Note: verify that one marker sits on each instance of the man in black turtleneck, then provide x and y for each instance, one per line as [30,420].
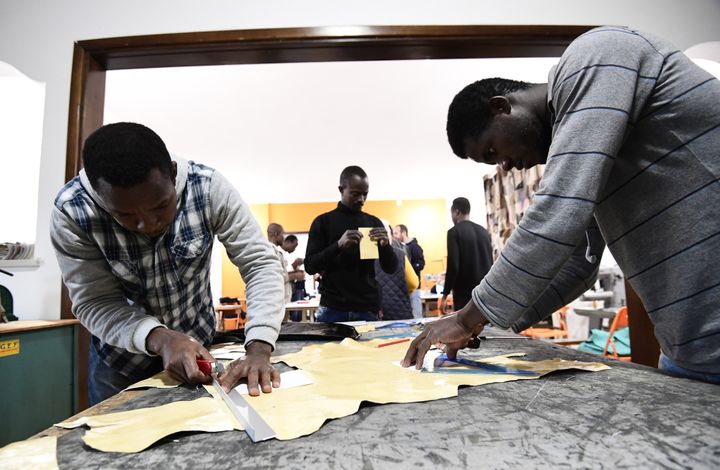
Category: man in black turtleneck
[348,288]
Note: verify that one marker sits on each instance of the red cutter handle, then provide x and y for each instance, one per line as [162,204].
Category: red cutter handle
[205,366]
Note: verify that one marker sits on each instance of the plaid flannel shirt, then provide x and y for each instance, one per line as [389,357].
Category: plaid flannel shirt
[168,278]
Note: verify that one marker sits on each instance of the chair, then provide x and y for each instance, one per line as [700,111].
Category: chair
[231,314]
[549,333]
[620,321]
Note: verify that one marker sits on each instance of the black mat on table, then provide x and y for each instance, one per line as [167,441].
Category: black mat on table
[297,331]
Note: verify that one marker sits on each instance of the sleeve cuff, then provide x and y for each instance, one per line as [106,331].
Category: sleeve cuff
[262,333]
[142,330]
[491,317]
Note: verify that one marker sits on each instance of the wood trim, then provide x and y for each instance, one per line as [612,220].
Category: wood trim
[21,326]
[92,58]
[644,346]
[324,44]
[87,99]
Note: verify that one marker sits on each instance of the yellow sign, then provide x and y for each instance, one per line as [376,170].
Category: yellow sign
[9,347]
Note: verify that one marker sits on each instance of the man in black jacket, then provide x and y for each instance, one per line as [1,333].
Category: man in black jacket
[469,259]
[348,289]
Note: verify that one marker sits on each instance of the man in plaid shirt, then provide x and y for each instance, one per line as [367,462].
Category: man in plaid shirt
[133,233]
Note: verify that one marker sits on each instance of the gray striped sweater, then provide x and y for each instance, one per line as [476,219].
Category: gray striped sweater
[636,144]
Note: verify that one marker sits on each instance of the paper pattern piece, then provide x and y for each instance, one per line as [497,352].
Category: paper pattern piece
[37,454]
[368,248]
[350,372]
[228,351]
[136,430]
[290,379]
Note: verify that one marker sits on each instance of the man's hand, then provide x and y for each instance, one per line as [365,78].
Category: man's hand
[179,353]
[379,235]
[297,263]
[453,332]
[349,239]
[256,367]
[443,306]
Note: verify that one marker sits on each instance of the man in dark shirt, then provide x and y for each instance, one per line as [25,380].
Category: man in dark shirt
[469,255]
[348,291]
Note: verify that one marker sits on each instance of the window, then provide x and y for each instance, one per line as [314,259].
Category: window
[21,123]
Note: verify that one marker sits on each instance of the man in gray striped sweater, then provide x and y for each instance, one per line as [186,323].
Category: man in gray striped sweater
[629,130]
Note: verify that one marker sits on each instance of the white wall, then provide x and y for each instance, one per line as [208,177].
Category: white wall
[37,36]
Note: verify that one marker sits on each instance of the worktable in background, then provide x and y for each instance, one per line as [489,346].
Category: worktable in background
[39,376]
[629,416]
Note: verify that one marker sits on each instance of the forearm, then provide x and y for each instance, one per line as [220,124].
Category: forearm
[296,275]
[576,276]
[250,251]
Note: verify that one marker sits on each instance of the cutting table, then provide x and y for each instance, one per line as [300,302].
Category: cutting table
[628,416]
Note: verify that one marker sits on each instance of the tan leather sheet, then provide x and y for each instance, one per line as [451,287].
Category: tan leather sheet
[136,430]
[348,373]
[344,375]
[36,454]
[160,380]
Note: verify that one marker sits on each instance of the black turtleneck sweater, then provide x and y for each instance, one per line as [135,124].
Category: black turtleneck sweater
[348,283]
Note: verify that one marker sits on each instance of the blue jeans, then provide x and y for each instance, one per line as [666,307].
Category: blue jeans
[669,366]
[298,293]
[104,381]
[331,315]
[416,304]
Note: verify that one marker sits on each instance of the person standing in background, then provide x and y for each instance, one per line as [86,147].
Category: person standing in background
[469,250]
[415,254]
[295,274]
[276,235]
[348,290]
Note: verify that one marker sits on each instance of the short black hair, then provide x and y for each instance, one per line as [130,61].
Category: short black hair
[461,205]
[291,239]
[123,154]
[469,112]
[349,172]
[402,228]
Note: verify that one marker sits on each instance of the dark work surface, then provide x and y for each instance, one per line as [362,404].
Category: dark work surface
[628,417]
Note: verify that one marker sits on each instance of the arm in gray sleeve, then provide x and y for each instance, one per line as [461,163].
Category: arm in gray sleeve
[592,107]
[96,295]
[576,276]
[250,251]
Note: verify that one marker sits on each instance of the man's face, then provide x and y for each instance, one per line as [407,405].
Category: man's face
[276,236]
[354,194]
[516,139]
[397,234]
[147,208]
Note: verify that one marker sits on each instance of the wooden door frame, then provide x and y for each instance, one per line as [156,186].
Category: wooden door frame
[93,58]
